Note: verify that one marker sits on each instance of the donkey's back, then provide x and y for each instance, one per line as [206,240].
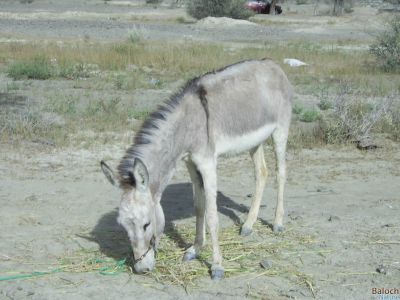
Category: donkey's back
[246,102]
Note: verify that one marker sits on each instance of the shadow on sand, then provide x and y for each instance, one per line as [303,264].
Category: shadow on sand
[177,202]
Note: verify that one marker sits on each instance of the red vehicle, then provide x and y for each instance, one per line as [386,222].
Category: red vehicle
[262,7]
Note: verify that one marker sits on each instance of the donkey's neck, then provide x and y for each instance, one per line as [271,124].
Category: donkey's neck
[160,157]
[167,139]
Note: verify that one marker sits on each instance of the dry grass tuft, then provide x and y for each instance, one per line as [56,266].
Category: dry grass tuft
[242,257]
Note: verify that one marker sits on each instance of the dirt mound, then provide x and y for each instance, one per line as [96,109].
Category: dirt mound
[223,21]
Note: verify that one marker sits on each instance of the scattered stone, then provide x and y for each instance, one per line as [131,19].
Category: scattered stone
[381,269]
[387,225]
[266,264]
[366,144]
[295,216]
[333,218]
[147,69]
[31,198]
[44,142]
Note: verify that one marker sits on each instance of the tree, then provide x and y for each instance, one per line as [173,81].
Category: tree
[272,7]
[338,7]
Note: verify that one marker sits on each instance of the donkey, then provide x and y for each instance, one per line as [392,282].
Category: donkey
[230,110]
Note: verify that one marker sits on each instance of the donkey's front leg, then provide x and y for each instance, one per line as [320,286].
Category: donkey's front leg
[208,170]
[261,174]
[199,204]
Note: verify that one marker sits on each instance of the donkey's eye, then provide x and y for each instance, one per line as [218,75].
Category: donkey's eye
[145,226]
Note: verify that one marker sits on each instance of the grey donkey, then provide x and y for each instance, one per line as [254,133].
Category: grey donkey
[230,110]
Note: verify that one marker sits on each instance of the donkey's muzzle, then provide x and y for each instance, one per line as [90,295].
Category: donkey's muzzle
[146,263]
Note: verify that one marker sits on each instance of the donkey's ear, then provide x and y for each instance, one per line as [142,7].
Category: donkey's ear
[140,174]
[108,172]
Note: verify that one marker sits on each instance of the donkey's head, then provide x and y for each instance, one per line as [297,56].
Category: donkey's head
[140,214]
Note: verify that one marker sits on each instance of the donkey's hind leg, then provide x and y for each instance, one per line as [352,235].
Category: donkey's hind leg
[199,204]
[207,166]
[261,174]
[280,136]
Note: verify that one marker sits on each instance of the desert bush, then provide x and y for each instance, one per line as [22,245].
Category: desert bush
[349,7]
[138,114]
[36,68]
[297,109]
[309,116]
[340,6]
[354,118]
[325,104]
[119,81]
[393,1]
[10,87]
[27,124]
[101,107]
[391,121]
[386,49]
[218,8]
[78,70]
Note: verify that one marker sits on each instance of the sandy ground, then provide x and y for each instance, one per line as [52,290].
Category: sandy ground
[347,200]
[51,198]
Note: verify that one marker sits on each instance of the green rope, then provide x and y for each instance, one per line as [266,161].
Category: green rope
[115,269]
[31,275]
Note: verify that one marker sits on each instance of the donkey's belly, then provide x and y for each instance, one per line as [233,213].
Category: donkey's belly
[239,143]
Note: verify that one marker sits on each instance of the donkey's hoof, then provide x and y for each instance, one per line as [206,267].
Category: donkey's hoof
[190,254]
[217,272]
[278,228]
[245,231]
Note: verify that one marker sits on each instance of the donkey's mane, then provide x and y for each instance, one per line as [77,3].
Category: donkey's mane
[151,124]
[149,127]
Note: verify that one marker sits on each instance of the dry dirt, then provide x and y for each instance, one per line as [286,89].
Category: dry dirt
[53,199]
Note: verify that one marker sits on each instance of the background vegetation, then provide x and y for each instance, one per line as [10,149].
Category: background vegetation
[387,47]
[218,8]
[354,97]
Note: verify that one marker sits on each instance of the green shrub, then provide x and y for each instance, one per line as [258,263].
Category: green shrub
[119,81]
[324,104]
[297,109]
[218,8]
[138,114]
[76,71]
[387,47]
[309,116]
[37,68]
